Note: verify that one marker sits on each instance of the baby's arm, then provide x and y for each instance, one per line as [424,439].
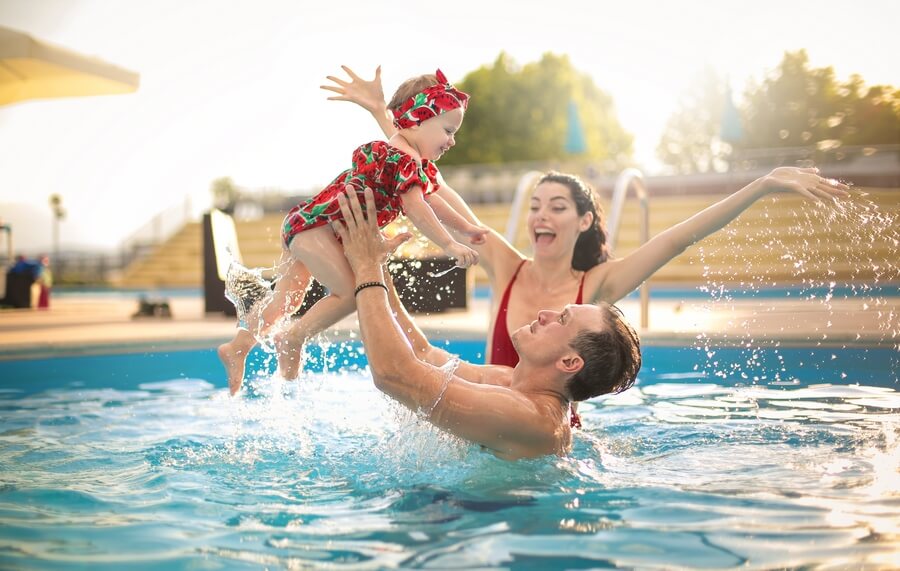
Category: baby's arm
[425,220]
[456,221]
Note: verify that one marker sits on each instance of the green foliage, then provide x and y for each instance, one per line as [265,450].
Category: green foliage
[520,114]
[795,106]
[798,105]
[225,193]
[690,141]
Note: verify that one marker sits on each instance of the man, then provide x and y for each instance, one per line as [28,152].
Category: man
[521,412]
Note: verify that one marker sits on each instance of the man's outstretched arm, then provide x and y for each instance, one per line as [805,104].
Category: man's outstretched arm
[425,351]
[502,420]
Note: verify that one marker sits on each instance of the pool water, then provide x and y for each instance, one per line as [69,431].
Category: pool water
[791,459]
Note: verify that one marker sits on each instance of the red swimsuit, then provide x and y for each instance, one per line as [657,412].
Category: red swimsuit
[502,350]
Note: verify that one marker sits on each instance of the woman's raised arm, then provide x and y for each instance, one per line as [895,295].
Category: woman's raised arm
[618,278]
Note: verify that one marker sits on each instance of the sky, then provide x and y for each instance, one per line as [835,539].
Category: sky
[231,88]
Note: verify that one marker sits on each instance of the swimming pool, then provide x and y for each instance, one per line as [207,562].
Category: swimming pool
[751,459]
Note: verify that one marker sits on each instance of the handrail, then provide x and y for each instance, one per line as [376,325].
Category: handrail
[631,178]
[525,183]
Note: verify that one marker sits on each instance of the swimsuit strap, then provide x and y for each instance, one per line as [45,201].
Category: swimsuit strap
[504,303]
[580,289]
[574,417]
[502,350]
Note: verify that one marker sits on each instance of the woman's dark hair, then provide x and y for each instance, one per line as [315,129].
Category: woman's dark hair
[592,246]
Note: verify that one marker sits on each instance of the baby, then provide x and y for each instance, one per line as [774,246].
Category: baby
[428,112]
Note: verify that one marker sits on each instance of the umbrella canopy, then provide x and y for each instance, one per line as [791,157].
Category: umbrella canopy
[31,69]
[731,130]
[575,143]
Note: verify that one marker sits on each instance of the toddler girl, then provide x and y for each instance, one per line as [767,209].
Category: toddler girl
[428,112]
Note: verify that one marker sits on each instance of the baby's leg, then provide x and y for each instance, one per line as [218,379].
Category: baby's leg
[324,257]
[291,282]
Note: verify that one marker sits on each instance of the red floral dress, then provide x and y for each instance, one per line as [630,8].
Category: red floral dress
[387,170]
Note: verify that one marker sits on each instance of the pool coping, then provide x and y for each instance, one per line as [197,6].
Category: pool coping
[648,339]
[96,325]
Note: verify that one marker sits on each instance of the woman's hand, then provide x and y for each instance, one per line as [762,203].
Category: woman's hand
[367,94]
[805,182]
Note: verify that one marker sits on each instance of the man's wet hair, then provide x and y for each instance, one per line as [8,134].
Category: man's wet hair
[612,357]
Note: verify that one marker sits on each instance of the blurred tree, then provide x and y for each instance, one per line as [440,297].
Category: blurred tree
[691,141]
[225,194]
[795,106]
[521,114]
[798,105]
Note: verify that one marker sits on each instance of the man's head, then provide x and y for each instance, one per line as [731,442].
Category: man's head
[591,345]
[612,357]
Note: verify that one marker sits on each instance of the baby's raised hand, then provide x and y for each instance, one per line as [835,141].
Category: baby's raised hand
[368,94]
[464,255]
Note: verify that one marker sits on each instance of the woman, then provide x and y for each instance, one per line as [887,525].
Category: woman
[571,260]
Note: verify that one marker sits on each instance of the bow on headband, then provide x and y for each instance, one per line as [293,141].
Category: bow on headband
[430,102]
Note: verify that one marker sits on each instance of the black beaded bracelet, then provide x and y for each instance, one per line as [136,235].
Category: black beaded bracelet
[364,285]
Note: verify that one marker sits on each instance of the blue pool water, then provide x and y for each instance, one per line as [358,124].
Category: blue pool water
[779,458]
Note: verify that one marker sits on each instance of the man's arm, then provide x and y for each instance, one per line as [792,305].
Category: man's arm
[502,420]
[481,374]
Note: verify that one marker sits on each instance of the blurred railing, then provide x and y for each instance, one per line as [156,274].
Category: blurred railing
[157,230]
[75,267]
[632,179]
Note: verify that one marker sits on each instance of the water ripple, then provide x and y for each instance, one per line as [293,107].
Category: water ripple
[327,473]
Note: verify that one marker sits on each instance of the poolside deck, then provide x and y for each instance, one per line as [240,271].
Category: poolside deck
[91,323]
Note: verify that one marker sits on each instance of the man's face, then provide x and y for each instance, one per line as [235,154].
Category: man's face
[548,337]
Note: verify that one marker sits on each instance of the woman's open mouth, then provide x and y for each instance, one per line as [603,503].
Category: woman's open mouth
[543,236]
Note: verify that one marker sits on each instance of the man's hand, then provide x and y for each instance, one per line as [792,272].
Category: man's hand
[364,244]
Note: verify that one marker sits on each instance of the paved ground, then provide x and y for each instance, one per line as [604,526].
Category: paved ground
[92,323]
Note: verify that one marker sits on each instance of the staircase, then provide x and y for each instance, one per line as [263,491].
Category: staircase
[780,240]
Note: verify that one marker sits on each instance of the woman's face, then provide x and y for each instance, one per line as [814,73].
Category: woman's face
[553,220]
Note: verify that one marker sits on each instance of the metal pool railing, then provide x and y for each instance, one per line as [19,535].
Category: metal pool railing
[629,178]
[632,178]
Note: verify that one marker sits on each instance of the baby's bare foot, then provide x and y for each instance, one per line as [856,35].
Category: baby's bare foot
[234,358]
[289,347]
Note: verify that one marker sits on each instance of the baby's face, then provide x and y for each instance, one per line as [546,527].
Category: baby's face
[437,135]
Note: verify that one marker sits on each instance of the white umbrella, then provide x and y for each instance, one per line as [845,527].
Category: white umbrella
[32,69]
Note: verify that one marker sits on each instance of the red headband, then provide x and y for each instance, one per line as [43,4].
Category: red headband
[430,102]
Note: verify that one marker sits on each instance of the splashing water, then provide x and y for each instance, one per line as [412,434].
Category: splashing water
[680,471]
[838,263]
